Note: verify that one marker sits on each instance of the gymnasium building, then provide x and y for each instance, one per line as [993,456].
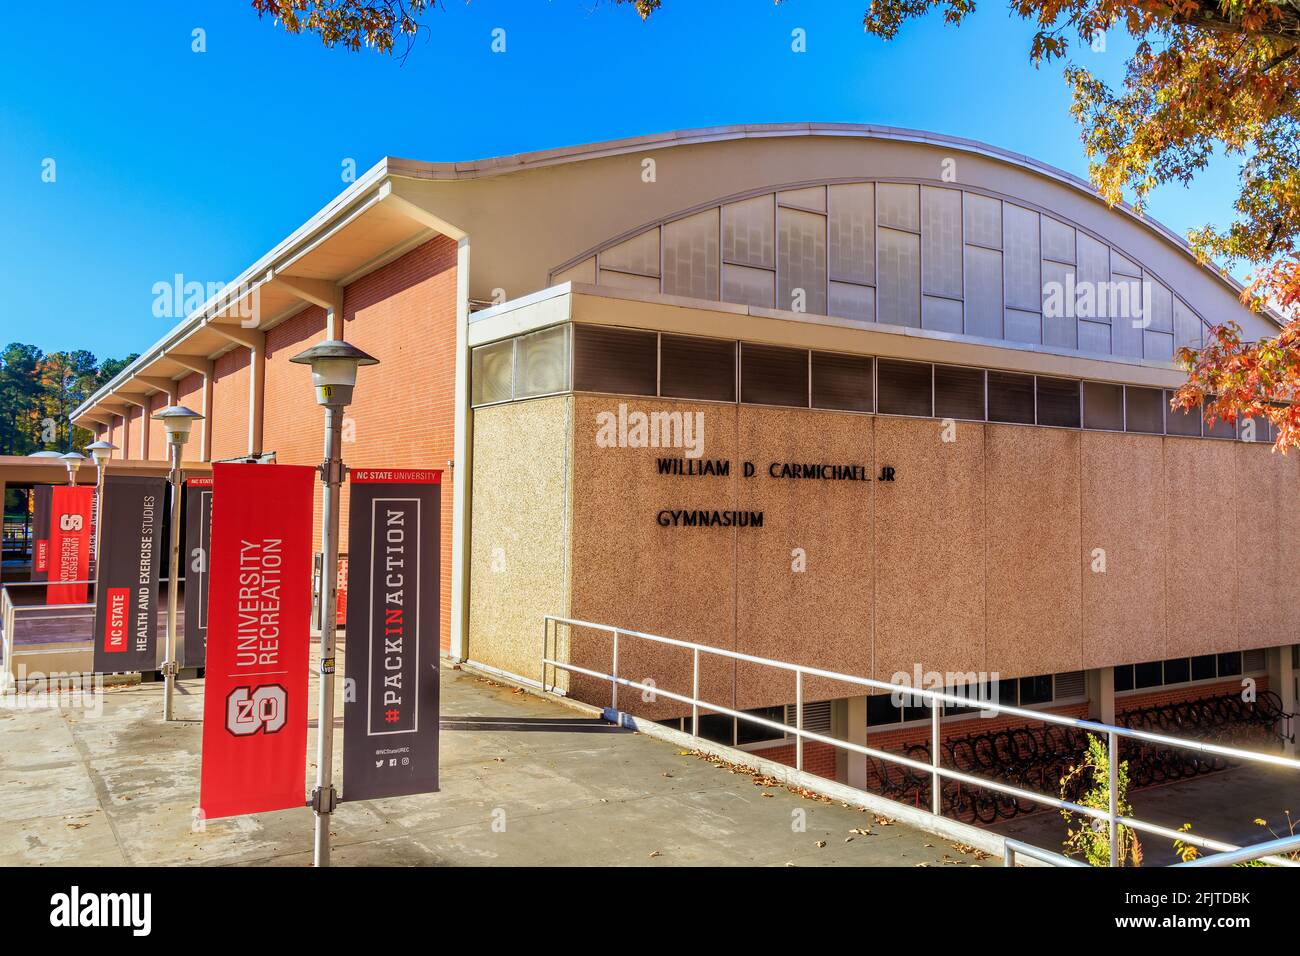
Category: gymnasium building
[875,400]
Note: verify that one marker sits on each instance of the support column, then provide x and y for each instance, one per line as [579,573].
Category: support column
[256,392]
[207,413]
[1100,685]
[461,467]
[1282,681]
[144,432]
[126,433]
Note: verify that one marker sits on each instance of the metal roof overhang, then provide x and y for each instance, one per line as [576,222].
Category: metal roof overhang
[366,226]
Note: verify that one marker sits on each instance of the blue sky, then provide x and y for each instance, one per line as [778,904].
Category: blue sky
[170,161]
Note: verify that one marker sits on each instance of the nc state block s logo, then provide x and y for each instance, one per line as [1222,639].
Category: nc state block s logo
[251,710]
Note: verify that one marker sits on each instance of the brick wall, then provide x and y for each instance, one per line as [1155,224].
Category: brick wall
[230,404]
[189,392]
[404,314]
[818,758]
[157,434]
[1159,696]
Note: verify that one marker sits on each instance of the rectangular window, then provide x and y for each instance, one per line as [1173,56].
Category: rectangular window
[492,373]
[881,710]
[904,388]
[841,381]
[1123,677]
[1103,406]
[958,392]
[622,361]
[1178,670]
[1144,410]
[898,278]
[1058,402]
[1205,667]
[1222,428]
[770,375]
[1150,674]
[1230,664]
[691,367]
[1011,398]
[1036,690]
[1179,422]
[748,732]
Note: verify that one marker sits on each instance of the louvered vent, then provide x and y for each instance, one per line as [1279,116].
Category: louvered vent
[1253,660]
[816,716]
[1069,685]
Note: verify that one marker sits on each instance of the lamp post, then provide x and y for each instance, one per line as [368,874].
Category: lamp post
[333,373]
[177,420]
[101,451]
[73,461]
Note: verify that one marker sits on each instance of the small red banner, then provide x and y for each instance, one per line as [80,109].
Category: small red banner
[69,547]
[395,476]
[259,610]
[118,600]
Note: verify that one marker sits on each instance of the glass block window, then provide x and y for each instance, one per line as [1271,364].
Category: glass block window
[898,205]
[691,367]
[638,255]
[941,315]
[941,272]
[983,292]
[542,362]
[1020,243]
[958,392]
[749,232]
[852,227]
[492,373]
[756,287]
[691,256]
[801,269]
[904,388]
[983,217]
[850,301]
[622,361]
[770,375]
[898,278]
[1058,240]
[841,381]
[1011,398]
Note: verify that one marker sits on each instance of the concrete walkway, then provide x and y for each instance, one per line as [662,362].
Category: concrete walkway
[525,782]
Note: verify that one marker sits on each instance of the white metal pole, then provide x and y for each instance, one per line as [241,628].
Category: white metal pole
[173,583]
[323,797]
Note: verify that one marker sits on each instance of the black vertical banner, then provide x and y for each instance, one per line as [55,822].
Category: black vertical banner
[131,540]
[390,726]
[198,542]
[41,495]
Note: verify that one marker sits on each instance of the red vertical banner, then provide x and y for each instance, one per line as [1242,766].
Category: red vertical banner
[259,612]
[70,542]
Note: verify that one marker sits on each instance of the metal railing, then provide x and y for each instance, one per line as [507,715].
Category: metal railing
[11,612]
[935,699]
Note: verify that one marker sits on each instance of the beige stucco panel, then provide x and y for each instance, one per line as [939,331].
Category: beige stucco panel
[929,548]
[1268,528]
[519,556]
[820,615]
[1123,548]
[631,572]
[1032,497]
[1201,587]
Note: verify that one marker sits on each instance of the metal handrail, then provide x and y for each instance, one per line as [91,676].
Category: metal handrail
[1288,844]
[1015,848]
[937,772]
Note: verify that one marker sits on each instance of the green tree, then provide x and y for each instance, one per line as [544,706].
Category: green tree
[20,391]
[1088,836]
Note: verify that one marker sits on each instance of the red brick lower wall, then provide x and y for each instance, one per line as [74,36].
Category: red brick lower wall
[818,758]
